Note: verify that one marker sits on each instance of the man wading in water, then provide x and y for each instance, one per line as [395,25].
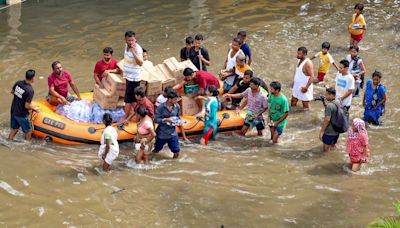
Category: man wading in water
[303,79]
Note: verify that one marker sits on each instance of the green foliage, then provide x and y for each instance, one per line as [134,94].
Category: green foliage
[388,222]
[397,206]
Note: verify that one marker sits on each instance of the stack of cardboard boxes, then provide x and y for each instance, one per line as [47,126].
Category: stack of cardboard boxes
[154,80]
[112,95]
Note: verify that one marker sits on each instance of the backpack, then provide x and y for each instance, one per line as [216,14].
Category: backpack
[342,119]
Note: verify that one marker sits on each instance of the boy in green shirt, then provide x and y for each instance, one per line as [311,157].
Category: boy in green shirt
[278,111]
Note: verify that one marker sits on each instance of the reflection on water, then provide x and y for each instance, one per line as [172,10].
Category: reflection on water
[236,181]
[9,44]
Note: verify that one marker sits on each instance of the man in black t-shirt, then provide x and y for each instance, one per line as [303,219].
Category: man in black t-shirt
[242,84]
[185,50]
[21,105]
[199,54]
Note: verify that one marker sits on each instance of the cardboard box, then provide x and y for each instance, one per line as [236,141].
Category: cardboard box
[169,82]
[121,103]
[104,99]
[115,84]
[153,84]
[149,67]
[179,73]
[120,65]
[173,66]
[153,98]
[163,73]
[189,106]
[166,76]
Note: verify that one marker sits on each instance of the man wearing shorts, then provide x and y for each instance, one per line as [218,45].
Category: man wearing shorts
[278,111]
[166,115]
[257,104]
[133,61]
[21,105]
[328,135]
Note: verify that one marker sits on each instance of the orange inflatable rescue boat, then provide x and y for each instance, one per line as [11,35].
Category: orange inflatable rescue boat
[54,127]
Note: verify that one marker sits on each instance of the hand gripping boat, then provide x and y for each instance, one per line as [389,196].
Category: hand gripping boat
[54,127]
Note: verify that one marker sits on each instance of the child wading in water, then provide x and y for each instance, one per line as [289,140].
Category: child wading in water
[278,111]
[357,25]
[325,61]
[356,68]
[210,117]
[109,148]
[357,144]
[145,135]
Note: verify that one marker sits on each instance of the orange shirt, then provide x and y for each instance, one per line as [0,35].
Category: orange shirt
[240,70]
[359,20]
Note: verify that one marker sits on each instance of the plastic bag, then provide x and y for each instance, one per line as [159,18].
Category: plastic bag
[85,111]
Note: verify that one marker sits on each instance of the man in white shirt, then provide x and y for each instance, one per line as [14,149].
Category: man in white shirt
[344,84]
[133,61]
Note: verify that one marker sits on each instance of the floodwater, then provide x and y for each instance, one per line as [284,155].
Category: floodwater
[236,181]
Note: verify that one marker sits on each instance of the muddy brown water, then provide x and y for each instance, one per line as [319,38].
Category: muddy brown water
[236,181]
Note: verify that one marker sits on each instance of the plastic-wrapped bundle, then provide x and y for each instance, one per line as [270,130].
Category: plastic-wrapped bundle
[80,111]
[98,112]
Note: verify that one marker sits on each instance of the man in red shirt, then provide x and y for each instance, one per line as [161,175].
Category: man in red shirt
[141,100]
[202,78]
[105,66]
[58,85]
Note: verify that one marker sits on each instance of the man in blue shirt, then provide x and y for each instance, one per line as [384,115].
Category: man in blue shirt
[167,118]
[245,47]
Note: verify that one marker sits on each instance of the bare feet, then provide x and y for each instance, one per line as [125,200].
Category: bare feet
[202,141]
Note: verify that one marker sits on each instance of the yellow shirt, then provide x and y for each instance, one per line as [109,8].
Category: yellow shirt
[359,20]
[324,62]
[240,70]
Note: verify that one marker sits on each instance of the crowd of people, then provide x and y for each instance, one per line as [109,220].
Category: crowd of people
[240,89]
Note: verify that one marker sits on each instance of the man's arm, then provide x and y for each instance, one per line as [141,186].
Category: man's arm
[179,85]
[225,63]
[348,93]
[75,89]
[325,124]
[336,66]
[97,80]
[205,61]
[114,71]
[281,119]
[28,105]
[54,93]
[236,95]
[159,119]
[138,59]
[157,116]
[310,72]
[250,60]
[205,58]
[262,111]
[233,89]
